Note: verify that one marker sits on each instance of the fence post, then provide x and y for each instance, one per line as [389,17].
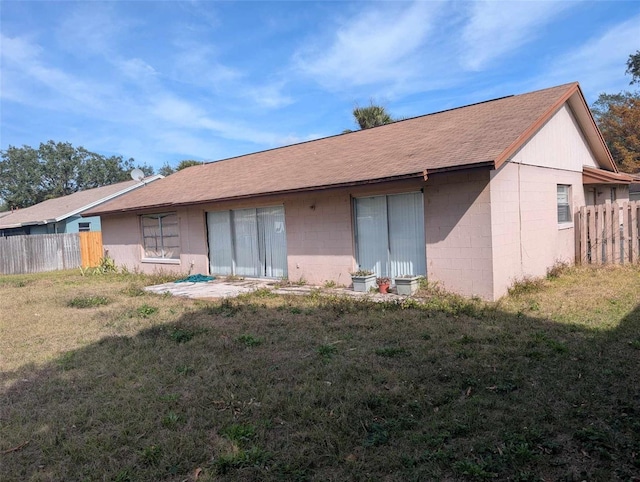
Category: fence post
[634,227]
[584,235]
[615,228]
[595,248]
[579,230]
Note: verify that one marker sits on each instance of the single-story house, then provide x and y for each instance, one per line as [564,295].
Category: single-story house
[473,198]
[65,214]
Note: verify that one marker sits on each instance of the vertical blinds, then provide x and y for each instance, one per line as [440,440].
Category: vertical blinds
[248,242]
[390,234]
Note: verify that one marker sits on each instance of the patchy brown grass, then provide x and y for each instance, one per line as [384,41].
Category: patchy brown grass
[43,315]
[543,385]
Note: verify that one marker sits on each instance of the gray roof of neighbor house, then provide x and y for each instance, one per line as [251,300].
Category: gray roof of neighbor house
[61,208]
[488,134]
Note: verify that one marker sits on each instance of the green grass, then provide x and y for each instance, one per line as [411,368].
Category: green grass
[88,301]
[543,385]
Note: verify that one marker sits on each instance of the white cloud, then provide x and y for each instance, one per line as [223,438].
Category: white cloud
[600,63]
[175,110]
[18,50]
[196,63]
[136,68]
[497,28]
[374,46]
[179,113]
[269,96]
[27,78]
[90,28]
[155,147]
[25,74]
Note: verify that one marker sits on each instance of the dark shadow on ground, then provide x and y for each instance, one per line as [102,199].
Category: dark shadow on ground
[306,388]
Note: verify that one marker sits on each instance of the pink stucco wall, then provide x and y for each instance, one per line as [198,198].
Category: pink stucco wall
[122,238]
[601,194]
[320,242]
[527,239]
[320,237]
[458,232]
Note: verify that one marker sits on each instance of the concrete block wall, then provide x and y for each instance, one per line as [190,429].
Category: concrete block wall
[458,232]
[320,237]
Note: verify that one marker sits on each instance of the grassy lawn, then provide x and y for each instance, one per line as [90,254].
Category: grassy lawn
[101,381]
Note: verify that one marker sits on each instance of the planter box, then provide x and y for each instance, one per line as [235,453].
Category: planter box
[363,283]
[407,286]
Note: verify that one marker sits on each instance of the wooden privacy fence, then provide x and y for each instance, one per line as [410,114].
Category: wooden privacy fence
[49,252]
[90,248]
[609,233]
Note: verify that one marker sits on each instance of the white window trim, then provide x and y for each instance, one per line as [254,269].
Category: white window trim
[565,224]
[159,260]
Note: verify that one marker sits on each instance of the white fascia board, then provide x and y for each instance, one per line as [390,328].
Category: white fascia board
[108,198]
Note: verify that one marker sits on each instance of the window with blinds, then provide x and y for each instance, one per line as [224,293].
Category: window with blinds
[248,242]
[390,239]
[564,205]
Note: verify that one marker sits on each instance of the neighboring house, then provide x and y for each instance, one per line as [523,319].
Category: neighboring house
[474,198]
[64,214]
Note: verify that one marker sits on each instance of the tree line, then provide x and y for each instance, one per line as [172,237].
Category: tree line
[29,176]
[618,117]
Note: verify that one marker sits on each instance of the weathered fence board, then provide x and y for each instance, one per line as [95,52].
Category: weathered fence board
[634,241]
[39,252]
[609,233]
[91,248]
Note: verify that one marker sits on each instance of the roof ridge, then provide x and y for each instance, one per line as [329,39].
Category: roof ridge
[479,136]
[204,163]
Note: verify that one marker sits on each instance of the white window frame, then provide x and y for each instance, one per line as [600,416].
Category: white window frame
[563,202]
[169,252]
[84,227]
[248,248]
[387,259]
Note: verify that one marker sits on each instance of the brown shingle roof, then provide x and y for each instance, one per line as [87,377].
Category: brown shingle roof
[60,208]
[484,133]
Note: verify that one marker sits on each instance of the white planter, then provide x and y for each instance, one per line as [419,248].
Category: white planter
[363,283]
[407,286]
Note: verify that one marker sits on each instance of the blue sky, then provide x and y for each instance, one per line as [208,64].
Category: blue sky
[163,81]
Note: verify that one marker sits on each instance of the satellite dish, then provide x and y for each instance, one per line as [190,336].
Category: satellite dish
[137,174]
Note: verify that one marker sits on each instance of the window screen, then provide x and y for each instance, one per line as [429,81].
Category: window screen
[160,236]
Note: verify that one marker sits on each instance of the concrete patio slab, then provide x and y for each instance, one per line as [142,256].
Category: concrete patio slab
[223,288]
[210,289]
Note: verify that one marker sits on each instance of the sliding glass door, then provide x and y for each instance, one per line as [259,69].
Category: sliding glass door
[390,234]
[248,242]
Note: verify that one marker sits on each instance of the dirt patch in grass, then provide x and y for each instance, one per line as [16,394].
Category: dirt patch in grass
[540,386]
